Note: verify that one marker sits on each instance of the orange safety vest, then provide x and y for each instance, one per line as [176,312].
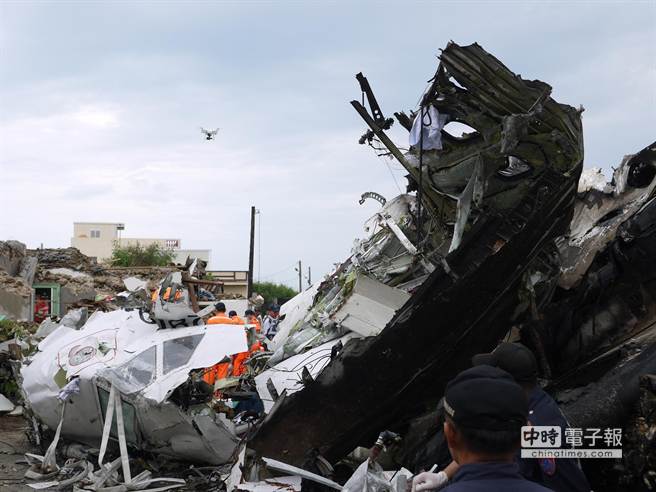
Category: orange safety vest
[221,319]
[217,371]
[167,293]
[239,320]
[252,320]
[239,360]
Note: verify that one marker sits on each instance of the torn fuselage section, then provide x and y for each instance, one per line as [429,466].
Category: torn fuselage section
[146,366]
[473,230]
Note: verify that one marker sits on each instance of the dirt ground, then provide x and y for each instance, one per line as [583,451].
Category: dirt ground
[13,446]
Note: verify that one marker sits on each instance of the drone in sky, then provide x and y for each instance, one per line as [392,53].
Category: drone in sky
[209,134]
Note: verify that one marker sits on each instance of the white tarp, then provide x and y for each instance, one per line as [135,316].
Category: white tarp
[432,128]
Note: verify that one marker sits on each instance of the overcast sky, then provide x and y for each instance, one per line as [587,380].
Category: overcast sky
[101,103]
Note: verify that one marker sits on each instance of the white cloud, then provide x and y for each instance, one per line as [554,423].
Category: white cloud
[97,117]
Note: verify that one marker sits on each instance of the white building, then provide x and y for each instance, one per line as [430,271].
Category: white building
[97,239]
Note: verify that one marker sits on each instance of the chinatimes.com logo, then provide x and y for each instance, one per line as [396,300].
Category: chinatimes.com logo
[544,441]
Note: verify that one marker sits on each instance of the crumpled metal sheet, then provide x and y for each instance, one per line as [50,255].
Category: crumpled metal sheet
[600,210]
[106,350]
[464,306]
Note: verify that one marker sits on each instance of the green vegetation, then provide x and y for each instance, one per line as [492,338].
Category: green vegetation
[138,255]
[272,292]
[8,329]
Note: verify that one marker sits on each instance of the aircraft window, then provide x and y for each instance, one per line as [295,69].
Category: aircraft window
[135,374]
[178,351]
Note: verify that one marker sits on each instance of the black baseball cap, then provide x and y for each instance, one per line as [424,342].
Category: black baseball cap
[514,358]
[487,398]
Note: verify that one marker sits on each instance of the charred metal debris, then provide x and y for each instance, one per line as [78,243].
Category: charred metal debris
[501,235]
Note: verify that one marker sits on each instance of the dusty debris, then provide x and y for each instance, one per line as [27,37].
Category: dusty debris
[477,233]
[16,274]
[504,237]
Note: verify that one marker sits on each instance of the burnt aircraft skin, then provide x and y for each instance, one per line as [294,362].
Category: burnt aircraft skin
[376,383]
[599,387]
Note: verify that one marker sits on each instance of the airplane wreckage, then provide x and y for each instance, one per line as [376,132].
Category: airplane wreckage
[501,235]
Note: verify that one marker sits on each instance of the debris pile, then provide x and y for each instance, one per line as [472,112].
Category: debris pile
[16,275]
[479,229]
[505,237]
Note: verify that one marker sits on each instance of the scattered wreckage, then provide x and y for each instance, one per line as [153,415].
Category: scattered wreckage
[505,237]
[501,240]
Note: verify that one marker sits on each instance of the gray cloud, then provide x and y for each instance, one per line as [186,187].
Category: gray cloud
[103,103]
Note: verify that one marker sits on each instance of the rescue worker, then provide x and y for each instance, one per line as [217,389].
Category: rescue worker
[221,318]
[562,474]
[226,367]
[252,319]
[484,412]
[239,360]
[233,316]
[218,371]
[270,323]
[167,294]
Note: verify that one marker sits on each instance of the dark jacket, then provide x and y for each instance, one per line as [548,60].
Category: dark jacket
[562,474]
[491,477]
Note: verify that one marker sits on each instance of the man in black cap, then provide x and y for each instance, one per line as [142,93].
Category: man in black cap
[562,474]
[484,413]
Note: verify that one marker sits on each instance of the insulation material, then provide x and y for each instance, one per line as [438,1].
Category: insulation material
[370,306]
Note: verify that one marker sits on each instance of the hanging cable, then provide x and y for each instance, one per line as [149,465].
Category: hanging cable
[393,177]
[420,188]
[421,172]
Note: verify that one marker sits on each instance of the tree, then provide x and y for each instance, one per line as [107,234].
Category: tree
[136,255]
[273,292]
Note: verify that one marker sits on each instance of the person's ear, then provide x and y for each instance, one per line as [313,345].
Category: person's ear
[449,433]
[451,436]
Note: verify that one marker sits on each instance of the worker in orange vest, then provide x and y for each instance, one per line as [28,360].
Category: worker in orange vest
[167,294]
[251,319]
[221,318]
[218,371]
[233,316]
[239,360]
[224,368]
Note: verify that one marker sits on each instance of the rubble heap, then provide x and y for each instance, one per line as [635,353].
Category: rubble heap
[493,203]
[501,241]
[17,272]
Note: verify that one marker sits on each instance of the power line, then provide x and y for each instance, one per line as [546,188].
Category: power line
[293,265]
[393,177]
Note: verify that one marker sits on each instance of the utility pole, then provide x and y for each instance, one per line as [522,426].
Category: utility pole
[250,254]
[300,276]
[259,243]
[309,279]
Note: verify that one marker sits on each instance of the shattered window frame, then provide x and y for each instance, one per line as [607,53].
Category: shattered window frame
[122,377]
[176,345]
